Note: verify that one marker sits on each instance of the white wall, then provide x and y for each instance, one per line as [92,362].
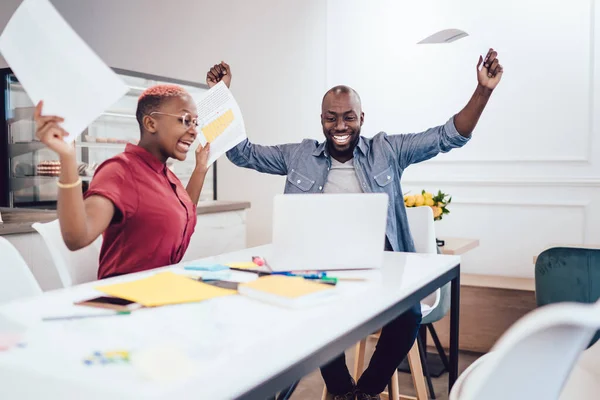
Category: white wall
[530,176]
[276,50]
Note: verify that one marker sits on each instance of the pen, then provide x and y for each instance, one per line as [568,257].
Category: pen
[356,279]
[284,273]
[253,271]
[305,276]
[68,317]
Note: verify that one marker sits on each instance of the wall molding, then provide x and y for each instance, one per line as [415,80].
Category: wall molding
[510,181]
[556,160]
[590,131]
[584,205]
[519,203]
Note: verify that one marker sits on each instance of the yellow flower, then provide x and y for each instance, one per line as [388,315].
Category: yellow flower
[428,195]
[428,201]
[419,200]
[409,200]
[437,211]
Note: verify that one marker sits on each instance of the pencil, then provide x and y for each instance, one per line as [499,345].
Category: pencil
[68,317]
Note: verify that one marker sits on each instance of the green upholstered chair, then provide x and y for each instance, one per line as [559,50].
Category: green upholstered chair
[564,274]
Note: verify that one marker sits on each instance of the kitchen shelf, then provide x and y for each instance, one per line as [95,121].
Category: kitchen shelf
[96,145]
[23,152]
[26,182]
[18,149]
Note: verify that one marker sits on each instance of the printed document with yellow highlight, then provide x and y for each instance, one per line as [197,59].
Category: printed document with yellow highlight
[220,121]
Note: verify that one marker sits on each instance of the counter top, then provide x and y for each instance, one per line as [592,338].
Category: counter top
[19,220]
[216,206]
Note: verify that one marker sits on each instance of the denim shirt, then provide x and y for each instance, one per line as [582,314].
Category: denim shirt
[379,163]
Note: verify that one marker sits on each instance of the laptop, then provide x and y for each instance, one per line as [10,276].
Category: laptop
[328,231]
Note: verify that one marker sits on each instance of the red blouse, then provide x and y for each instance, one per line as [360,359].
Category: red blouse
[154,215]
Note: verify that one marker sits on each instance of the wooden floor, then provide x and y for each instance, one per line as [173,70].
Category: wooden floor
[311,387]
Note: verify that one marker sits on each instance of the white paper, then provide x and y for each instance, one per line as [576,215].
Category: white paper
[444,36]
[55,65]
[220,121]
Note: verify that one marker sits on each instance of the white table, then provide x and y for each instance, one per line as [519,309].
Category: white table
[240,348]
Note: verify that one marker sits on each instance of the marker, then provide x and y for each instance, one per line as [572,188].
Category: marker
[314,277]
[321,275]
[258,261]
[329,281]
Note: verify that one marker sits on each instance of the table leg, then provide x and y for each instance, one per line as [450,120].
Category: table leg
[454,313]
[287,392]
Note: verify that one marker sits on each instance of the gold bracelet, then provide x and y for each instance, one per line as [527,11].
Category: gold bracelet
[68,185]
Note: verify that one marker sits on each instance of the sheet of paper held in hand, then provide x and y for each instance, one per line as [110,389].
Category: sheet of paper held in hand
[55,65]
[220,121]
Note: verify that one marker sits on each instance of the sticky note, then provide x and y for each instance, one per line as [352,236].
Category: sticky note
[209,267]
[164,288]
[242,265]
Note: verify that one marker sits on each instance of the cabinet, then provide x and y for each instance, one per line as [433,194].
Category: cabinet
[28,169]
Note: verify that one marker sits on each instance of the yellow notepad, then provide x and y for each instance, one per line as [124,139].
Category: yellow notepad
[242,265]
[164,288]
[286,291]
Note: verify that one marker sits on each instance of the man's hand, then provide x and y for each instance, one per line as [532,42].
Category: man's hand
[218,73]
[488,78]
[490,74]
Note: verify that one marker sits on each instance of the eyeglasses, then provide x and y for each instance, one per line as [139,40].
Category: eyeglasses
[186,119]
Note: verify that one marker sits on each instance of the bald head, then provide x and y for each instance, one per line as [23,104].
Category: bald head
[342,90]
[341,118]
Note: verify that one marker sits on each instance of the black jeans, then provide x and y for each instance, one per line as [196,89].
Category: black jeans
[393,345]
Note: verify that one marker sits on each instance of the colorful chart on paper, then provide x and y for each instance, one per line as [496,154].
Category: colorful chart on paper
[215,128]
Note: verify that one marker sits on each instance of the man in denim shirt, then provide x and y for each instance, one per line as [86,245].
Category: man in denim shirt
[348,163]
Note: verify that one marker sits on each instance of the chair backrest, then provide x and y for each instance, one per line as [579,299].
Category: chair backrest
[534,358]
[568,274]
[422,230]
[73,267]
[16,279]
[584,381]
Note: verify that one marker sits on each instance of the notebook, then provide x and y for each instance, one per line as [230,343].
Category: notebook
[287,291]
[164,288]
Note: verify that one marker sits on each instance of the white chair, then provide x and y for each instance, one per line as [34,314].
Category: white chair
[16,279]
[534,358]
[422,229]
[584,381]
[73,267]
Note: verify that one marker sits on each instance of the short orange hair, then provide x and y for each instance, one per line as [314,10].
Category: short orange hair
[151,99]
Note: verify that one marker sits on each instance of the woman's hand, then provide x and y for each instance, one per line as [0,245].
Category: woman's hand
[50,133]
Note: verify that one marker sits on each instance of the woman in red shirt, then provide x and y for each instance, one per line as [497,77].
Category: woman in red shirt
[145,214]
